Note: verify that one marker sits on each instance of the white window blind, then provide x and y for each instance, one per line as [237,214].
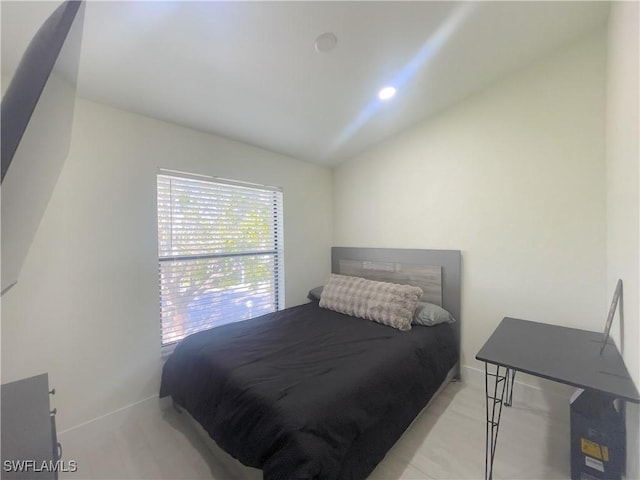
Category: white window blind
[220,253]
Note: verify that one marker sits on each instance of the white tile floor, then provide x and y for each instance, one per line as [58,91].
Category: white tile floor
[152,441]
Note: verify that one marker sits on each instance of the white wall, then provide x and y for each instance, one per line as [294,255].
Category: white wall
[86,308]
[514,177]
[623,212]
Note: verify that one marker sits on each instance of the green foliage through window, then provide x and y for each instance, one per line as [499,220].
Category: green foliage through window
[220,253]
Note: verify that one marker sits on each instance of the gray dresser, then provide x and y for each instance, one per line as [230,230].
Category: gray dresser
[30,447]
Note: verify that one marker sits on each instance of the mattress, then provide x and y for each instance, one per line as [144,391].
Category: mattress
[308,393]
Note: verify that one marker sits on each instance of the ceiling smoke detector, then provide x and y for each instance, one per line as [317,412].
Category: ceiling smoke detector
[326,42]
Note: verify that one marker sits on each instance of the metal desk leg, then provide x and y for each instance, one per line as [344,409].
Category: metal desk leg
[510,380]
[495,398]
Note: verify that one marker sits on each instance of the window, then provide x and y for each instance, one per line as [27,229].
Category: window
[220,252]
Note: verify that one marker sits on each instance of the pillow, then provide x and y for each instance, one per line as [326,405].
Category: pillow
[390,304]
[429,315]
[315,293]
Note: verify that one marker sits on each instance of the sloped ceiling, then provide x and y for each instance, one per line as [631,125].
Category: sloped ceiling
[249,70]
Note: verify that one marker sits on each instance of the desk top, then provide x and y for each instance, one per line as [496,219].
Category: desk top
[561,354]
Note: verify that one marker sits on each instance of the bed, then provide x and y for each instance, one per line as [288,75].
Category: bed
[311,393]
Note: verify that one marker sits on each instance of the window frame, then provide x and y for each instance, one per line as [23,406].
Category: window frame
[277,252]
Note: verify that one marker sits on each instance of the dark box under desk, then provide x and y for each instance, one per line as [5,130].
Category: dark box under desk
[598,437]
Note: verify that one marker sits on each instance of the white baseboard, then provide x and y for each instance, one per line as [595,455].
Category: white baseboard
[529,392]
[117,416]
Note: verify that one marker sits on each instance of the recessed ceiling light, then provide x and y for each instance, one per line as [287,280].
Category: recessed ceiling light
[386,93]
[326,42]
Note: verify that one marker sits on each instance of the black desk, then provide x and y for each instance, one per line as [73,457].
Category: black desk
[564,355]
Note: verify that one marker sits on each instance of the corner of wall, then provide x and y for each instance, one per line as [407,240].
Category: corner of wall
[623,200]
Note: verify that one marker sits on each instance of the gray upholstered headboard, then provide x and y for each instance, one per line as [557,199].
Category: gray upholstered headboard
[437,272]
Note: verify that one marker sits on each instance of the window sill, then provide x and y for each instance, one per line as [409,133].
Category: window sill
[167,350]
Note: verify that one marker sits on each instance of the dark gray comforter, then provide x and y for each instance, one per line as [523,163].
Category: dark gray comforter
[308,393]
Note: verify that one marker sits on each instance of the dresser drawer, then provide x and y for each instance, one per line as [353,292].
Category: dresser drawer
[29,440]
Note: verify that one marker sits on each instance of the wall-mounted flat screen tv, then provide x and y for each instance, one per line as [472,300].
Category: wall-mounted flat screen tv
[36,123]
